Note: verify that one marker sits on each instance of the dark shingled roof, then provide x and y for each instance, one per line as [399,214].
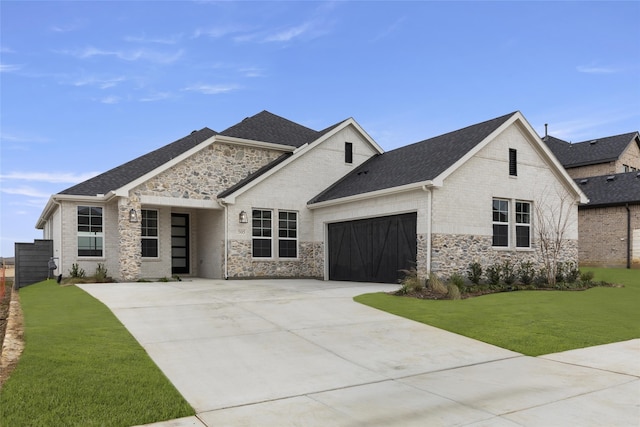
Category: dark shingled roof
[611,190]
[268,127]
[414,163]
[592,152]
[128,172]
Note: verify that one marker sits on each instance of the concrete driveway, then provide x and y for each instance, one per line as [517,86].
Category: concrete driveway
[303,353]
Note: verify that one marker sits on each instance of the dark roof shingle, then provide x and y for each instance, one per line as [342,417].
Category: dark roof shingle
[268,127]
[590,152]
[130,171]
[413,163]
[611,190]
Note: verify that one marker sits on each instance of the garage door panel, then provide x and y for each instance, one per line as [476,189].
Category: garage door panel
[372,250]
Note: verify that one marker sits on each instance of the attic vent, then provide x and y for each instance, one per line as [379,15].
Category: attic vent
[593,141]
[584,181]
[611,178]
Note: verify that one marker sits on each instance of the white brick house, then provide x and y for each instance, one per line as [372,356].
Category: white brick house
[271,198]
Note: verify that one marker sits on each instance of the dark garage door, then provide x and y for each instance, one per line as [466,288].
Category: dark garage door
[372,250]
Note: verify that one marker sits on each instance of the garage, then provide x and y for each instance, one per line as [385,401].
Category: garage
[372,250]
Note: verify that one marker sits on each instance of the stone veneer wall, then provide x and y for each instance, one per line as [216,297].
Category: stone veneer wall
[130,249]
[242,265]
[452,253]
[208,172]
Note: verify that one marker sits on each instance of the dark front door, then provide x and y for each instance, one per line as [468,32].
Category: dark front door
[179,244]
[372,250]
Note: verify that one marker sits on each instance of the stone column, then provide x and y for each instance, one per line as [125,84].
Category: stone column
[129,233]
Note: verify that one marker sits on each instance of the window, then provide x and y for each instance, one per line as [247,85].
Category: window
[500,223]
[523,225]
[287,234]
[348,152]
[261,231]
[149,233]
[513,162]
[90,234]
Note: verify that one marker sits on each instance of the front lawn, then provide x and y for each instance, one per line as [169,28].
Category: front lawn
[533,322]
[81,367]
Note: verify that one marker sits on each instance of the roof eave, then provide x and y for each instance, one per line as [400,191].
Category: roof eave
[54,200]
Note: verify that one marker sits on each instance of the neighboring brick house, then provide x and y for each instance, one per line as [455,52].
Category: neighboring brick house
[271,198]
[606,170]
[609,225]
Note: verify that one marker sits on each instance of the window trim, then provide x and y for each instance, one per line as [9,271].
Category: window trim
[523,224]
[90,234]
[506,223]
[144,237]
[289,239]
[255,237]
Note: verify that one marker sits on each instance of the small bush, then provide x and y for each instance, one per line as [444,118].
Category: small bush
[560,272]
[526,272]
[453,291]
[101,272]
[494,274]
[508,273]
[410,282]
[571,272]
[474,273]
[76,271]
[541,278]
[435,285]
[458,280]
[586,276]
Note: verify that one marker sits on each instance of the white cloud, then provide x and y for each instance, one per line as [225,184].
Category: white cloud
[252,72]
[22,138]
[288,34]
[112,99]
[216,32]
[211,89]
[7,68]
[102,83]
[157,96]
[25,191]
[171,40]
[589,69]
[68,178]
[127,55]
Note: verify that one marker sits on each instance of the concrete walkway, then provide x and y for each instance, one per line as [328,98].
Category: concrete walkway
[303,353]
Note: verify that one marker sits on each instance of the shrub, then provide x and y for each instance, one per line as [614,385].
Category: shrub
[76,271]
[410,282]
[586,276]
[571,272]
[560,272]
[435,285]
[453,291]
[508,273]
[494,273]
[101,272]
[526,272]
[457,280]
[474,273]
[541,278]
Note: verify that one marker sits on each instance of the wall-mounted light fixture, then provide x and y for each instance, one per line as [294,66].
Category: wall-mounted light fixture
[243,217]
[133,215]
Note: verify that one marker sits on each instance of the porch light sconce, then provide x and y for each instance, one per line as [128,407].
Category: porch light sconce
[243,218]
[133,215]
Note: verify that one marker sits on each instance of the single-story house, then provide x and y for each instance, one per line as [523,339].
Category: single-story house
[268,197]
[609,225]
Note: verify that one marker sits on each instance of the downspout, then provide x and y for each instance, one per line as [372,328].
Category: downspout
[226,238]
[628,235]
[429,212]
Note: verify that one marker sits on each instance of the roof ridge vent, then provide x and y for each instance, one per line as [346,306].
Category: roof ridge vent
[593,141]
[611,177]
[584,181]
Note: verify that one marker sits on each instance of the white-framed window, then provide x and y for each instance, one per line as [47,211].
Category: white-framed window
[523,224]
[262,233]
[150,235]
[287,234]
[500,223]
[90,231]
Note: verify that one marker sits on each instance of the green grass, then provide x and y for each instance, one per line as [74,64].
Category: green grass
[533,322]
[81,367]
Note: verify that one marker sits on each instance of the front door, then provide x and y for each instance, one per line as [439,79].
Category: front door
[179,244]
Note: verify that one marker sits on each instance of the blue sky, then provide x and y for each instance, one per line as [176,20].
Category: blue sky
[86,86]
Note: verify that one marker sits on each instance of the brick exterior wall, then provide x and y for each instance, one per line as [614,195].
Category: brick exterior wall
[603,235]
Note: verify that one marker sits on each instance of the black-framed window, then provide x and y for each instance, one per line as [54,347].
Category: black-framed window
[513,162]
[90,231]
[150,233]
[500,223]
[262,233]
[287,234]
[348,152]
[523,224]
